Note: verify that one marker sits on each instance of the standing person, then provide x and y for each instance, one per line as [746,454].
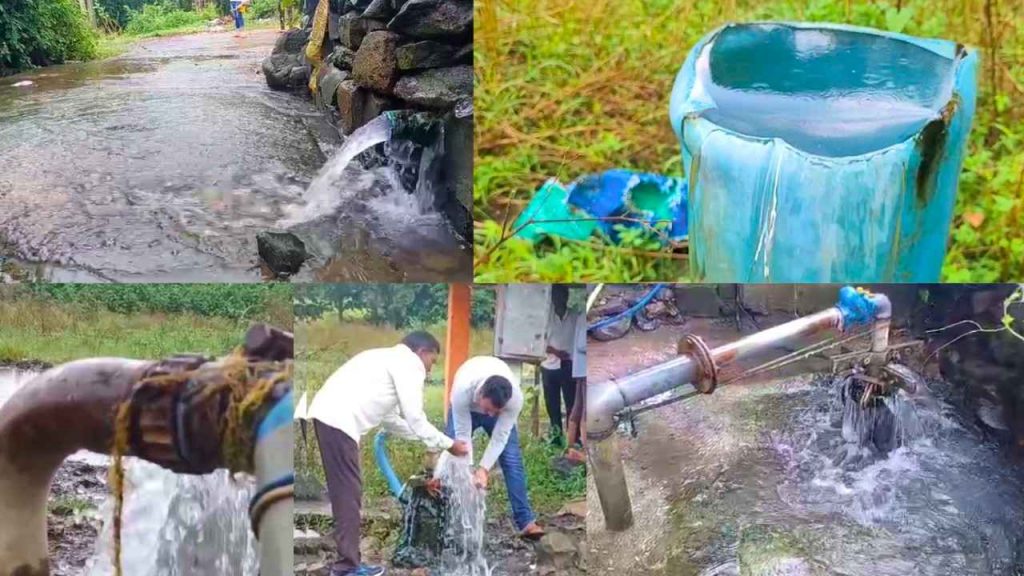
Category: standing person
[579,377]
[378,386]
[237,7]
[485,394]
[556,370]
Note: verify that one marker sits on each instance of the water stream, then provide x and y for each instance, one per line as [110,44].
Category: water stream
[462,554]
[165,162]
[818,486]
[332,185]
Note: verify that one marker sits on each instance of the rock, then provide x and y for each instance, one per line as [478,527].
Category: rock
[424,54]
[380,9]
[433,19]
[352,29]
[342,58]
[291,42]
[285,72]
[329,82]
[358,105]
[286,68]
[439,88]
[282,252]
[375,66]
[557,550]
[577,508]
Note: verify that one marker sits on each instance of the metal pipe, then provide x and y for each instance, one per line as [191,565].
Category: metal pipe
[63,410]
[612,396]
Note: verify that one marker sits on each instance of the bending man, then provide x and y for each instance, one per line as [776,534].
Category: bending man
[485,394]
[379,386]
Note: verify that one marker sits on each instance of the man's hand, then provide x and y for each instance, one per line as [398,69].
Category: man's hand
[434,487]
[459,448]
[480,478]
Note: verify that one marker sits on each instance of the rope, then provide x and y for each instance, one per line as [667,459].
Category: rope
[247,393]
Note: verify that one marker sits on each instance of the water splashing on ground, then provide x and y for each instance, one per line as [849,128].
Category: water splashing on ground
[463,551]
[331,185]
[180,525]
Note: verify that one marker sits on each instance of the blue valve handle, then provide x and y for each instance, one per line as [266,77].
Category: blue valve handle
[857,306]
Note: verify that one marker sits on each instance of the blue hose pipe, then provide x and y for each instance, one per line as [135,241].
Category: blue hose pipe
[381,456]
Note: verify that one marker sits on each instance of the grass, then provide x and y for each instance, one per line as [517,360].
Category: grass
[34,328]
[568,87]
[323,345]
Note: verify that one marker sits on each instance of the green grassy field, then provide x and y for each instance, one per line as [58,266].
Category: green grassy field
[323,345]
[35,327]
[568,87]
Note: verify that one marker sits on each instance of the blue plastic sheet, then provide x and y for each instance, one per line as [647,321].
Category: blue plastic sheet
[605,202]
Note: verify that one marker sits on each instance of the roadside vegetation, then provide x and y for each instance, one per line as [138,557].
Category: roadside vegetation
[58,323]
[326,339]
[568,87]
[37,33]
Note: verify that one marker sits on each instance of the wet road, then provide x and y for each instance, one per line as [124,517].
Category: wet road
[164,163]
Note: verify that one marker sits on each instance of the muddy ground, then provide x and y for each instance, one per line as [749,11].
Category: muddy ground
[506,552]
[73,523]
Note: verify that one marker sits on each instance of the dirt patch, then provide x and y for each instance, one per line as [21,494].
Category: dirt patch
[73,521]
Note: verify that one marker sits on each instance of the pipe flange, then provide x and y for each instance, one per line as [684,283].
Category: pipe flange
[694,347]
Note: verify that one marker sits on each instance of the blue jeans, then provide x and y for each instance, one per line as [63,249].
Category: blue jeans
[511,461]
[239,19]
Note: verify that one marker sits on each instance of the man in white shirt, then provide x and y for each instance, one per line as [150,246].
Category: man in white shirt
[378,386]
[556,370]
[486,394]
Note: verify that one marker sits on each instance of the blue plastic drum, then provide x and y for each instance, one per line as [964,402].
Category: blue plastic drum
[821,153]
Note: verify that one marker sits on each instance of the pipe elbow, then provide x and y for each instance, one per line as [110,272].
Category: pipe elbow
[883,307]
[65,409]
[604,400]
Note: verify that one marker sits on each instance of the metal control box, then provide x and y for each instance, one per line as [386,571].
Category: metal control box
[521,322]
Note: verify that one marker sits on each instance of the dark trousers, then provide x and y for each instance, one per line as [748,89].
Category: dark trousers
[340,455]
[558,385]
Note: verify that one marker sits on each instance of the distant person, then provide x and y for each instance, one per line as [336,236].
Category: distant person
[556,370]
[238,7]
[486,394]
[378,386]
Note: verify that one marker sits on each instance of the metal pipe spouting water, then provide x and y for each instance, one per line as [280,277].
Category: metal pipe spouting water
[76,405]
[696,370]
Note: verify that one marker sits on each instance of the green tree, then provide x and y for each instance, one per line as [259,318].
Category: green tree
[43,32]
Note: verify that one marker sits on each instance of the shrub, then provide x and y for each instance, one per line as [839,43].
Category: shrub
[43,32]
[155,18]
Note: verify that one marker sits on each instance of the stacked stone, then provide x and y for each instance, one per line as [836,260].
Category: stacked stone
[397,54]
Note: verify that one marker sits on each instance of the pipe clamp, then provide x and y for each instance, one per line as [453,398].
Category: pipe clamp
[695,347]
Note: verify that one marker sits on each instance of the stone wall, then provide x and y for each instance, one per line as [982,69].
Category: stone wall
[396,54]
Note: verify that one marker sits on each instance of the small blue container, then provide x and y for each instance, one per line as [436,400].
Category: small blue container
[821,153]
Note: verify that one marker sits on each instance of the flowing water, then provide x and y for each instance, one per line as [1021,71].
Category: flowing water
[164,163]
[179,525]
[173,525]
[331,186]
[819,486]
[464,538]
[828,92]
